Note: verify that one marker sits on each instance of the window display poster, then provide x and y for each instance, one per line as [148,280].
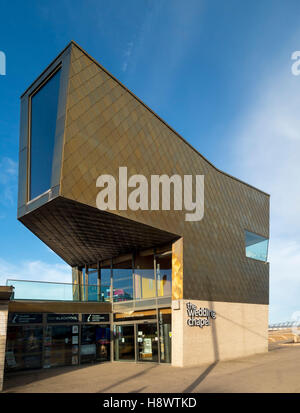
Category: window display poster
[87,349]
[102,335]
[147,346]
[33,339]
[74,329]
[10,359]
[87,334]
[75,340]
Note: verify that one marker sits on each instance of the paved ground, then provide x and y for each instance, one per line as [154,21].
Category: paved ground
[275,371]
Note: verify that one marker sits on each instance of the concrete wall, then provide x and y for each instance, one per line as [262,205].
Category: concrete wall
[3,329]
[239,330]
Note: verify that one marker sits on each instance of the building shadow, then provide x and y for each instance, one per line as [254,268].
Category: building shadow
[199,379]
[25,377]
[126,379]
[215,345]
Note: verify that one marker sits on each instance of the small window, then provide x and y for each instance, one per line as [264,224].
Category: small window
[256,246]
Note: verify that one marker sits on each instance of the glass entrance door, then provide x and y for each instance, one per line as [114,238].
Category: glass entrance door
[147,342]
[124,343]
[165,334]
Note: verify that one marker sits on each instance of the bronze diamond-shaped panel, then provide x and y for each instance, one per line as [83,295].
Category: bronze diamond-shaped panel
[80,234]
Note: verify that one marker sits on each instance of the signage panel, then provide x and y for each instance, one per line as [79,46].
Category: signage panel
[25,318]
[62,318]
[95,318]
[200,317]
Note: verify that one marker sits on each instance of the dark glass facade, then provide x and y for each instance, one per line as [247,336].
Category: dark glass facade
[165,332]
[95,343]
[61,345]
[52,340]
[143,336]
[123,285]
[132,277]
[24,347]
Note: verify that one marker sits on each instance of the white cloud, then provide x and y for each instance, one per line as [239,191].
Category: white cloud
[127,55]
[284,279]
[177,36]
[35,271]
[267,146]
[8,181]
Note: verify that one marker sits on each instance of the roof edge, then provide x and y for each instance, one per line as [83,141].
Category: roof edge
[49,65]
[162,120]
[72,42]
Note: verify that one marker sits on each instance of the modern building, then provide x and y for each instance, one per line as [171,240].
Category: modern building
[148,285]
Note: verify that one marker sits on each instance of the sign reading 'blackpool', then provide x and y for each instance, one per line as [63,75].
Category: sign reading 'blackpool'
[199,316]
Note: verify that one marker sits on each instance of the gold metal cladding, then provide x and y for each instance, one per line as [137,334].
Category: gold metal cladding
[177,270]
[107,127]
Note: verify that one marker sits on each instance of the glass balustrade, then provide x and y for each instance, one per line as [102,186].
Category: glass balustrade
[41,290]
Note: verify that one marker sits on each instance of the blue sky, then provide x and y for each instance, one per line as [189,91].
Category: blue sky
[219,72]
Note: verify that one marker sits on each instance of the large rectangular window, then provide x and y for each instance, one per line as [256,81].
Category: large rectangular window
[165,326]
[256,246]
[105,274]
[164,274]
[141,279]
[144,277]
[24,347]
[95,343]
[35,340]
[93,292]
[60,345]
[123,281]
[44,104]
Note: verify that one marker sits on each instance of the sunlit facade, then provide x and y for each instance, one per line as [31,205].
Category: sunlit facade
[134,273]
